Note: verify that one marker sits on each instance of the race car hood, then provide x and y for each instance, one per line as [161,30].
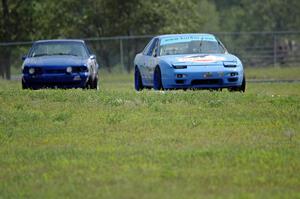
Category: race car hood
[55,61]
[199,59]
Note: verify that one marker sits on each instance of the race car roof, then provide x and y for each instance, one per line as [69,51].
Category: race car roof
[59,40]
[183,35]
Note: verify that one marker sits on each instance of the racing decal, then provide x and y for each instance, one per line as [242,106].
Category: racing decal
[189,38]
[208,58]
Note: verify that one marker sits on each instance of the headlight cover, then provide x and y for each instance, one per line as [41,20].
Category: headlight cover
[69,69]
[31,71]
[179,66]
[230,64]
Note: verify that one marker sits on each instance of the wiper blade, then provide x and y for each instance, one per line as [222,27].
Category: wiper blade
[65,54]
[200,46]
[40,55]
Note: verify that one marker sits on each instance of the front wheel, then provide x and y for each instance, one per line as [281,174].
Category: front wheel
[24,86]
[94,84]
[89,84]
[241,88]
[138,83]
[157,83]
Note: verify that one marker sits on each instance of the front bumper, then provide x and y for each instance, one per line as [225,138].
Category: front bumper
[74,80]
[203,77]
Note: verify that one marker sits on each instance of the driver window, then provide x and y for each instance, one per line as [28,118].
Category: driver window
[145,51]
[155,48]
[151,50]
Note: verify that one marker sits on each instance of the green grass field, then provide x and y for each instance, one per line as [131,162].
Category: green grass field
[273,73]
[117,143]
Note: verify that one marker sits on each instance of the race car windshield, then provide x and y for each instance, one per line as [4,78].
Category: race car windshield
[75,49]
[192,47]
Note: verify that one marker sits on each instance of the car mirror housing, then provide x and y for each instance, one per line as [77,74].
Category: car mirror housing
[24,57]
[92,56]
[155,53]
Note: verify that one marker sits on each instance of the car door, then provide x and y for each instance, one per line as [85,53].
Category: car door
[142,60]
[150,61]
[153,61]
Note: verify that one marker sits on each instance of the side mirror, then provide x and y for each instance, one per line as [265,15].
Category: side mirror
[92,56]
[155,53]
[24,57]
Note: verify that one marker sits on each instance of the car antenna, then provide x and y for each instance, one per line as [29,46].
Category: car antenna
[201,45]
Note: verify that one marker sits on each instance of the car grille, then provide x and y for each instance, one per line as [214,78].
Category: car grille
[54,71]
[42,70]
[75,69]
[233,79]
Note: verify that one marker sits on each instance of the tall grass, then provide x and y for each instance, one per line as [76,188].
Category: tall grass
[118,143]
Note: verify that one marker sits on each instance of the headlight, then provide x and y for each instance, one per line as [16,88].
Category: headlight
[179,66]
[31,71]
[69,69]
[230,64]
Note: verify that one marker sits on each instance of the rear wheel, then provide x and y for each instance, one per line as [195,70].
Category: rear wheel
[138,83]
[157,83]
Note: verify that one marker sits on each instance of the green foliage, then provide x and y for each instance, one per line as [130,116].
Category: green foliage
[188,16]
[16,20]
[50,19]
[249,15]
[77,18]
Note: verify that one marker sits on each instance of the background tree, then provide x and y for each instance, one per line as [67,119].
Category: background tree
[50,19]
[15,25]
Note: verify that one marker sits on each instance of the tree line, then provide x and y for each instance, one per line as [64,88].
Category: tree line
[33,19]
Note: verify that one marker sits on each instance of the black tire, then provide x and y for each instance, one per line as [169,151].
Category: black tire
[89,84]
[157,83]
[97,84]
[94,84]
[241,88]
[138,83]
[24,86]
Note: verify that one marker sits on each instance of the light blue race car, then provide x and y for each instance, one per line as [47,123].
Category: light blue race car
[188,61]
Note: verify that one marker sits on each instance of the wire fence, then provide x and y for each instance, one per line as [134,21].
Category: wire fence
[255,49]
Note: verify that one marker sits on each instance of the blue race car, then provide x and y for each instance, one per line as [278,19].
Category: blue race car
[188,61]
[59,64]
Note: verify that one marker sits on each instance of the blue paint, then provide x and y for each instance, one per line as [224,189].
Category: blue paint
[50,69]
[199,70]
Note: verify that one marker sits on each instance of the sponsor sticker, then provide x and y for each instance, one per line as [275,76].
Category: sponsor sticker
[208,74]
[180,39]
[221,74]
[198,59]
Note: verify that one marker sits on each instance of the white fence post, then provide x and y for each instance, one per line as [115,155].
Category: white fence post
[121,53]
[274,49]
